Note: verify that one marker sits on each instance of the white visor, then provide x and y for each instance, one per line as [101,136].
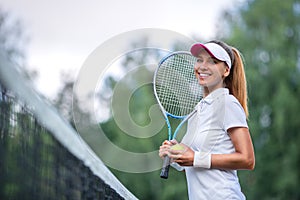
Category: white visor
[214,50]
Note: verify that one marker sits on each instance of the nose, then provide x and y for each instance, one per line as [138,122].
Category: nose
[200,66]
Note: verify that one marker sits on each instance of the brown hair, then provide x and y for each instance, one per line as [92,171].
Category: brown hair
[236,80]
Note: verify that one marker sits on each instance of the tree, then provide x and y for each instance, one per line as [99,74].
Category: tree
[267,33]
[66,101]
[12,39]
[14,121]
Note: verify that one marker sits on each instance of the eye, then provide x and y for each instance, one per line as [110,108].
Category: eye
[199,60]
[213,61]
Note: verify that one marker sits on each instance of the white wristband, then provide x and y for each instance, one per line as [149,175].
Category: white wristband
[177,166]
[202,159]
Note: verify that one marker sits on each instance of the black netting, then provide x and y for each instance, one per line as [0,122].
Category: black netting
[34,165]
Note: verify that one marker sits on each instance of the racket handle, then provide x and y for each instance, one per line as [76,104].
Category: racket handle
[165,169]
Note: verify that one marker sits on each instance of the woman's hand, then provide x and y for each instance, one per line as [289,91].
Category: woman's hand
[184,156]
[165,148]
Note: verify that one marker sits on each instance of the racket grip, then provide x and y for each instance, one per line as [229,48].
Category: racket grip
[165,169]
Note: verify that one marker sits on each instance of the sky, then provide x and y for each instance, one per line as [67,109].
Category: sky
[62,33]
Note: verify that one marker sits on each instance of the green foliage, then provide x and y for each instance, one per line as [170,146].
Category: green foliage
[144,185]
[267,33]
[24,156]
[141,102]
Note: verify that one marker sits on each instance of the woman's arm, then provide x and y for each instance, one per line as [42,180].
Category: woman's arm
[242,158]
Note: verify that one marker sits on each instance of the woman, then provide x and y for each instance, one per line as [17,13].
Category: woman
[217,142]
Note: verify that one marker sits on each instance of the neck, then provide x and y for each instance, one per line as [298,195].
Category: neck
[208,90]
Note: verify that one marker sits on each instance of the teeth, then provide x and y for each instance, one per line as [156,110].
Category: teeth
[204,74]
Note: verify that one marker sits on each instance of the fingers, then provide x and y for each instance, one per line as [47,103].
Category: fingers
[184,157]
[164,149]
[169,142]
[176,154]
[173,142]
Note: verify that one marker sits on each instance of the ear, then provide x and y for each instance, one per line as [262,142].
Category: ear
[227,71]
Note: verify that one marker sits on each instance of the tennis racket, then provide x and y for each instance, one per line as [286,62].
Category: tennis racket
[177,92]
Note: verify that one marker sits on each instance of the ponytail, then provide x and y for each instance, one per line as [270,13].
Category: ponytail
[236,81]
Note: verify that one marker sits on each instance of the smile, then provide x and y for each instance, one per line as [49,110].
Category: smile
[203,75]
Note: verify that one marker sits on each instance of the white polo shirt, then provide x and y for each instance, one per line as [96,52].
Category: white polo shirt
[207,132]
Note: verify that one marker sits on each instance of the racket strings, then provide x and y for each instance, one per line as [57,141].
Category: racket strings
[176,86]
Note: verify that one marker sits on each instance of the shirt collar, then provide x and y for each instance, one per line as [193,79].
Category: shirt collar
[215,94]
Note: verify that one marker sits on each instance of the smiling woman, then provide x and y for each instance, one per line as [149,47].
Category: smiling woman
[210,72]
[217,142]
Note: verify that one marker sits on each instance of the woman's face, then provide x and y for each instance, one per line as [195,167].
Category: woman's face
[210,72]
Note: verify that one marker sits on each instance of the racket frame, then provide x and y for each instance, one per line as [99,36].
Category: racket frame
[166,162]
[165,113]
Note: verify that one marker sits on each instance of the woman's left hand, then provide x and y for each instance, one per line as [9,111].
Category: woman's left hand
[184,157]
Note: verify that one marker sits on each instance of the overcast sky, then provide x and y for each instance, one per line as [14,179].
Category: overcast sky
[63,33]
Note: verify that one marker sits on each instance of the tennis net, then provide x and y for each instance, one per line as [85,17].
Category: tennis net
[42,156]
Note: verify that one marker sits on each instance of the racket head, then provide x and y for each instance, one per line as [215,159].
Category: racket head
[175,86]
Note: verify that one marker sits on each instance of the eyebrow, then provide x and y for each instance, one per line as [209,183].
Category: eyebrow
[210,57]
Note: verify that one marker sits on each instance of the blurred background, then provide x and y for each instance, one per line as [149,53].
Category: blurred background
[51,40]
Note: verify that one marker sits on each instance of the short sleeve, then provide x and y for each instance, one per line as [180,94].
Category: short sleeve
[234,114]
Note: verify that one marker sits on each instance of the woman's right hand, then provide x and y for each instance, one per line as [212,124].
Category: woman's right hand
[165,147]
